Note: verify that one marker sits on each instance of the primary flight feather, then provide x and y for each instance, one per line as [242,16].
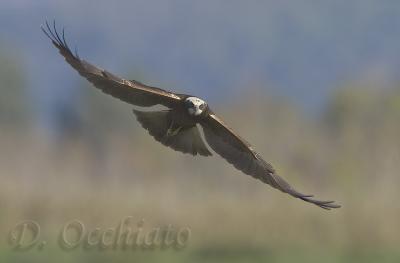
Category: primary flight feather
[177,127]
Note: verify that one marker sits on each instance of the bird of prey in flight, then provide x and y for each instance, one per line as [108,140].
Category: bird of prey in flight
[178,127]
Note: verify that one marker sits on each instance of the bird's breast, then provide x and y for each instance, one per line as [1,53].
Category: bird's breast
[183,118]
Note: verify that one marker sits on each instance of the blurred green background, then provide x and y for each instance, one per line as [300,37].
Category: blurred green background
[313,86]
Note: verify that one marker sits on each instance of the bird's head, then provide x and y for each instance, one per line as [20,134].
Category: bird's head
[195,106]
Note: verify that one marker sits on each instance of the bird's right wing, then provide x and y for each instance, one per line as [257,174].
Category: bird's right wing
[130,91]
[241,155]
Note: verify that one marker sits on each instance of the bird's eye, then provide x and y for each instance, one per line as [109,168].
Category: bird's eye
[202,106]
[189,104]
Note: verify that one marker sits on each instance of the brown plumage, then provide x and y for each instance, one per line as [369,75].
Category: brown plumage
[177,127]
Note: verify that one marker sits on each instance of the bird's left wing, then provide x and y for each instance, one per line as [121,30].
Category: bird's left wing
[240,154]
[130,91]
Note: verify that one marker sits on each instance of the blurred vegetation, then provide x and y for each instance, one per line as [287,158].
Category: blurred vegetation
[107,168]
[14,100]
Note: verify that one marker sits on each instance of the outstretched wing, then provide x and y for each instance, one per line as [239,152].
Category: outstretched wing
[239,153]
[130,91]
[160,125]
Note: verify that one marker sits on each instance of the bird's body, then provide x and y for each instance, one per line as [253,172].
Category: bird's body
[177,127]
